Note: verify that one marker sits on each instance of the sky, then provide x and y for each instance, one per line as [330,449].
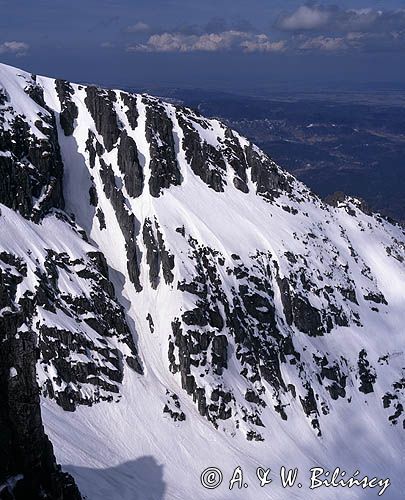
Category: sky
[218,44]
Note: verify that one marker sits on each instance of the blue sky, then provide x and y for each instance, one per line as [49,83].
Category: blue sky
[231,44]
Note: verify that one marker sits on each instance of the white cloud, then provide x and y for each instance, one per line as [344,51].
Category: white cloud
[305,18]
[166,42]
[261,43]
[334,20]
[139,27]
[209,42]
[16,48]
[325,43]
[213,42]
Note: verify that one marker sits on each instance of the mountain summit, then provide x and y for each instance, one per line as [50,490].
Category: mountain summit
[190,304]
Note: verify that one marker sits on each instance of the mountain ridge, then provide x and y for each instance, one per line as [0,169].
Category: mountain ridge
[173,254]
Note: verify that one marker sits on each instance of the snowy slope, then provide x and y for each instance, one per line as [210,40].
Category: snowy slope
[268,325]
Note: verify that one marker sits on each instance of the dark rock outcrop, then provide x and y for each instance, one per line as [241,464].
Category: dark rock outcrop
[130,101]
[157,256]
[100,103]
[69,111]
[269,180]
[129,165]
[28,469]
[164,169]
[31,172]
[366,373]
[126,221]
[205,161]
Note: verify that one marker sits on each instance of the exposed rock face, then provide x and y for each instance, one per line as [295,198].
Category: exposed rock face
[266,175]
[28,467]
[173,407]
[131,112]
[395,400]
[100,104]
[81,362]
[69,111]
[31,192]
[96,374]
[78,364]
[128,163]
[341,199]
[260,299]
[126,220]
[164,169]
[158,258]
[27,464]
[205,161]
[366,373]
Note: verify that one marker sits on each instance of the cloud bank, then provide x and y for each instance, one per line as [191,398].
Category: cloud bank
[308,28]
[337,20]
[14,47]
[209,42]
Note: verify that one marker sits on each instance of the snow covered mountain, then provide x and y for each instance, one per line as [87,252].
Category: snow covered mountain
[191,304]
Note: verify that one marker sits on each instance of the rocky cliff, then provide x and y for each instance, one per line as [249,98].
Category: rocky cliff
[168,273]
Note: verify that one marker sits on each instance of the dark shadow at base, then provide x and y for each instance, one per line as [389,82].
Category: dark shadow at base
[140,479]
